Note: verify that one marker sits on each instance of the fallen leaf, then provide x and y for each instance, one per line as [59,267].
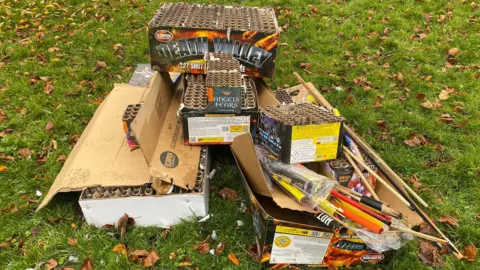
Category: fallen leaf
[35,231]
[172,256]
[151,259]
[99,65]
[457,109]
[51,264]
[62,158]
[381,125]
[202,248]
[48,89]
[470,253]
[348,54]
[453,52]
[228,194]
[24,152]
[462,124]
[233,258]
[185,262]
[164,233]
[74,139]
[3,168]
[120,248]
[420,96]
[430,105]
[6,244]
[428,254]
[13,208]
[220,248]
[413,142]
[443,95]
[50,125]
[123,223]
[448,220]
[42,159]
[446,118]
[138,256]
[305,65]
[5,157]
[87,265]
[415,182]
[108,226]
[72,242]
[474,5]
[398,76]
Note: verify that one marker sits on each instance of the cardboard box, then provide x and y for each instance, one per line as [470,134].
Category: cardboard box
[298,143]
[202,127]
[102,158]
[286,237]
[180,34]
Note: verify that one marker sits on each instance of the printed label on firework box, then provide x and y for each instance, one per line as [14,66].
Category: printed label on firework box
[224,99]
[216,128]
[314,142]
[299,246]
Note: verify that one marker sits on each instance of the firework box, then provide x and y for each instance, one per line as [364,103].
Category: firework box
[285,232]
[102,158]
[200,127]
[180,34]
[301,143]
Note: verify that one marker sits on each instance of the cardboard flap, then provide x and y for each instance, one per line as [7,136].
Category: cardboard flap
[150,118]
[302,92]
[266,97]
[101,157]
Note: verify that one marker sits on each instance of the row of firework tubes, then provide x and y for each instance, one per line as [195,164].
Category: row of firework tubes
[216,17]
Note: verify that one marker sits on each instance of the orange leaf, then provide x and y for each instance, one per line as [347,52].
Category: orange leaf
[3,168]
[50,125]
[62,158]
[120,248]
[151,259]
[228,194]
[10,209]
[87,265]
[51,264]
[470,253]
[72,242]
[203,247]
[448,220]
[233,258]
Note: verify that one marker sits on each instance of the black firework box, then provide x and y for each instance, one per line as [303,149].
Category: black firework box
[180,34]
[298,133]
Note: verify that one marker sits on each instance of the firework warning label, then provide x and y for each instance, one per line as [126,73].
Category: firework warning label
[217,129]
[299,246]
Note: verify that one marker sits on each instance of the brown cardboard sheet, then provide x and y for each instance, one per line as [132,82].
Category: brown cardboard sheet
[159,133]
[101,157]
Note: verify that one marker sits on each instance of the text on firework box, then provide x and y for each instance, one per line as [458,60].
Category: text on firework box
[287,233]
[180,34]
[300,133]
[101,165]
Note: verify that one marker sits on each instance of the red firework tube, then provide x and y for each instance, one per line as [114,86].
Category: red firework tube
[382,218]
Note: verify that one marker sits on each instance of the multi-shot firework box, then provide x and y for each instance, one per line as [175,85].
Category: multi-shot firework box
[287,234]
[180,34]
[160,184]
[300,133]
[204,127]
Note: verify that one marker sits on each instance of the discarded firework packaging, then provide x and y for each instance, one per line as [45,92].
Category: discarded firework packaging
[129,115]
[300,132]
[180,34]
[283,226]
[102,158]
[201,127]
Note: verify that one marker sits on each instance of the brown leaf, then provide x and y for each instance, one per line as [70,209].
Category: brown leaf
[415,182]
[453,52]
[202,248]
[172,256]
[474,5]
[470,253]
[3,168]
[443,95]
[8,158]
[233,258]
[348,54]
[164,233]
[457,109]
[220,248]
[151,259]
[138,255]
[62,158]
[48,89]
[24,152]
[305,65]
[123,223]
[228,194]
[120,248]
[108,226]
[51,264]
[42,159]
[413,142]
[99,65]
[398,76]
[462,124]
[446,118]
[185,262]
[381,125]
[6,244]
[87,265]
[420,96]
[10,209]
[72,242]
[50,125]
[428,254]
[430,105]
[74,139]
[448,220]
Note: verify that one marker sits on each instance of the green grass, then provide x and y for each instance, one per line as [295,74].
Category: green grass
[80,33]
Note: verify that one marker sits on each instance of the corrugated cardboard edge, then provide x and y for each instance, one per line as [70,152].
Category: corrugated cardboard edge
[60,184]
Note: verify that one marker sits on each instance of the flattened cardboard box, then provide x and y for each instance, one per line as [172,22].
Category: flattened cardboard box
[102,157]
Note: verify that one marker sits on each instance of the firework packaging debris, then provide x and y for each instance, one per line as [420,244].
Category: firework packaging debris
[180,34]
[159,185]
[300,132]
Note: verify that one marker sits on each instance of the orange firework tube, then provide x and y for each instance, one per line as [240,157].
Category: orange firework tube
[382,218]
[360,217]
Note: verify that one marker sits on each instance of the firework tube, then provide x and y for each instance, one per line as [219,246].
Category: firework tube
[293,191]
[385,219]
[360,217]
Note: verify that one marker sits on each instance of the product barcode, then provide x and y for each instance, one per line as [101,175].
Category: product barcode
[193,139]
[225,128]
[316,234]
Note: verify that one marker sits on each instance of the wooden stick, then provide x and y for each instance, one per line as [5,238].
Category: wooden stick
[360,174]
[316,94]
[421,235]
[377,177]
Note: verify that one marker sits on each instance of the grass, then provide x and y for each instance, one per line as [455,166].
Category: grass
[60,43]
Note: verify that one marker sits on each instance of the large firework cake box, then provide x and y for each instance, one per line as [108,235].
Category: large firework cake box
[180,34]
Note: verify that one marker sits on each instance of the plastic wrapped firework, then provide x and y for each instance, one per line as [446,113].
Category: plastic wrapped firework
[305,186]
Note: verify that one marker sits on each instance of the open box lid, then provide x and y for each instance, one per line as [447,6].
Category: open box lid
[159,133]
